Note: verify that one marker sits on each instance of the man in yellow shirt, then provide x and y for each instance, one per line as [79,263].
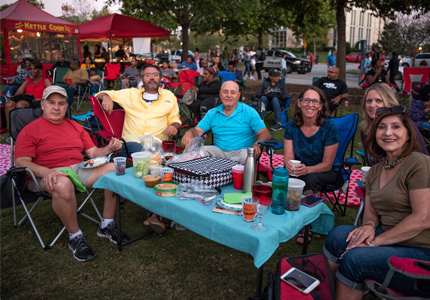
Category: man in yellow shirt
[148,111]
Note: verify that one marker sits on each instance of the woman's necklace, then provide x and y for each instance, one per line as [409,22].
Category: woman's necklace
[393,164]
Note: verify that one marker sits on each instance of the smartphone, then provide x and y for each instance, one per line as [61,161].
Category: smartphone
[300,280]
[311,200]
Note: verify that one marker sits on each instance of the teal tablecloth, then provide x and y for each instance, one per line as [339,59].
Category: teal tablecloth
[229,230]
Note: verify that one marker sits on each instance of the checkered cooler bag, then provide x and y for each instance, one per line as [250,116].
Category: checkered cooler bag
[212,171]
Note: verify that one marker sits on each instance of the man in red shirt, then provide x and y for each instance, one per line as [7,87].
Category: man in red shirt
[53,142]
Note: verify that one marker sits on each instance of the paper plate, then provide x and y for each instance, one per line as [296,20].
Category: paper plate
[236,207]
[94,162]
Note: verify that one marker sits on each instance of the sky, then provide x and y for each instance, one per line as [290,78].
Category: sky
[54,6]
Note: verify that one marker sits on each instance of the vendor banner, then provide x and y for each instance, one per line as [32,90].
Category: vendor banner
[46,27]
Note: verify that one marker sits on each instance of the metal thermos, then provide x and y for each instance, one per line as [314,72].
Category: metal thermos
[249,173]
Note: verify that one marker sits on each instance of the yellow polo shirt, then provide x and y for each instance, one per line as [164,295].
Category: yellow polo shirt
[144,120]
[77,75]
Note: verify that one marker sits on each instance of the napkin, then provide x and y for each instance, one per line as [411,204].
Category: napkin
[235,198]
[74,178]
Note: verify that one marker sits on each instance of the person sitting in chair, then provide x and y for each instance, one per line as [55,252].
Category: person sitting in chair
[419,112]
[272,92]
[207,93]
[130,75]
[52,143]
[60,63]
[377,73]
[74,77]
[335,90]
[203,65]
[238,73]
[234,126]
[189,64]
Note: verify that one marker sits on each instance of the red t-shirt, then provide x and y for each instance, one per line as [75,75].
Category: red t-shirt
[53,145]
[35,89]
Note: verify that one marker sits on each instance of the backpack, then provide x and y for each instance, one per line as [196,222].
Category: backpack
[262,55]
[189,96]
[315,265]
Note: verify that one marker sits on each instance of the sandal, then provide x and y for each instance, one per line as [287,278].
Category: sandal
[301,237]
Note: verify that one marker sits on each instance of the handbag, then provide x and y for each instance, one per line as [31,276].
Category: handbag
[189,97]
[212,171]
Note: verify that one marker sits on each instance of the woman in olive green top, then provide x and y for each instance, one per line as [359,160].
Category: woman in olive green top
[396,220]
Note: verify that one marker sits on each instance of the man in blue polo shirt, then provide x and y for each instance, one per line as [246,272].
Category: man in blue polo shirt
[234,126]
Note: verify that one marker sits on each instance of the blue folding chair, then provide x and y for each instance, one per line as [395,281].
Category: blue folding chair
[347,126]
[227,76]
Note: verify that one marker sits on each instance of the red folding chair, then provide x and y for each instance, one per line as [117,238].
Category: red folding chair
[111,72]
[414,75]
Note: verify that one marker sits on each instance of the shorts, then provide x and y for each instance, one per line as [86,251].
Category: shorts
[252,67]
[83,175]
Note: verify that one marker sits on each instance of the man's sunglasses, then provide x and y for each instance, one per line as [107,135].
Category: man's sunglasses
[311,269]
[395,109]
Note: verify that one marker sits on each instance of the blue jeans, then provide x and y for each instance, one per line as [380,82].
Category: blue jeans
[370,262]
[274,105]
[8,88]
[247,69]
[70,94]
[425,125]
[131,147]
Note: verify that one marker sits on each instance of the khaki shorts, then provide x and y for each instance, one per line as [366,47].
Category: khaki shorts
[83,175]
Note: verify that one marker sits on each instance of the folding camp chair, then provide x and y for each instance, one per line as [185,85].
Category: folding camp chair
[19,118]
[59,74]
[227,76]
[186,79]
[84,91]
[414,75]
[346,126]
[112,73]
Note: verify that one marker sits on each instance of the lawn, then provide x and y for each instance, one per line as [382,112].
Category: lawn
[175,265]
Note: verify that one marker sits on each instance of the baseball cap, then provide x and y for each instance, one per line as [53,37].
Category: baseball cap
[54,89]
[273,72]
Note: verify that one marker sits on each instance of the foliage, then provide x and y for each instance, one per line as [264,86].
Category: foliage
[82,11]
[406,33]
[348,47]
[36,3]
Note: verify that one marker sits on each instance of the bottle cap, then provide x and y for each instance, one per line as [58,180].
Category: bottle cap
[281,172]
[251,151]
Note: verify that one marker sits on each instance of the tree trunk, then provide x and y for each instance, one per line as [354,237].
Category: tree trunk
[341,38]
[260,37]
[185,40]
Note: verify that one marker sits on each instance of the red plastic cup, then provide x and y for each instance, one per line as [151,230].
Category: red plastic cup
[238,177]
[69,80]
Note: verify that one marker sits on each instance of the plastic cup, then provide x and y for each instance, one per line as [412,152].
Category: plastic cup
[364,172]
[166,174]
[238,177]
[69,80]
[140,164]
[294,163]
[249,209]
[294,195]
[119,163]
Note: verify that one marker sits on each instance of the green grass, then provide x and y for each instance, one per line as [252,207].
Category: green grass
[176,265]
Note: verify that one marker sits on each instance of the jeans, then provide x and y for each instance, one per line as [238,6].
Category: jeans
[425,125]
[247,69]
[8,88]
[275,105]
[132,147]
[363,263]
[71,94]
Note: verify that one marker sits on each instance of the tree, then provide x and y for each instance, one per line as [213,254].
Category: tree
[406,33]
[81,11]
[171,14]
[38,4]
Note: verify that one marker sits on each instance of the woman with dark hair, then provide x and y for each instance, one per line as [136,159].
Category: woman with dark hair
[97,53]
[420,109]
[30,93]
[207,91]
[86,53]
[217,63]
[88,64]
[396,219]
[377,73]
[167,71]
[197,57]
[313,139]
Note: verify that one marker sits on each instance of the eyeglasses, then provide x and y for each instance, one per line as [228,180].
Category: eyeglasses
[399,109]
[147,75]
[307,101]
[311,269]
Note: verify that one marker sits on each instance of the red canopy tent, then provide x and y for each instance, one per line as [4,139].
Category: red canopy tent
[43,34]
[120,29]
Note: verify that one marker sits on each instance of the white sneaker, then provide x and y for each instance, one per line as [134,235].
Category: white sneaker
[252,78]
[245,77]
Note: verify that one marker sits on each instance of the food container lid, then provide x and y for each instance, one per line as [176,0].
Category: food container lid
[166,187]
[140,155]
[296,183]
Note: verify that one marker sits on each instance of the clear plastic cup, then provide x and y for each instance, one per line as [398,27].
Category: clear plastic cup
[294,163]
[119,163]
[294,195]
[249,209]
[140,164]
[364,172]
[166,174]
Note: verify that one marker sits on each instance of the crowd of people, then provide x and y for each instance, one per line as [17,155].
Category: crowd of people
[396,219]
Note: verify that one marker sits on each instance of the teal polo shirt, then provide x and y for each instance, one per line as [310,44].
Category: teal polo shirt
[236,131]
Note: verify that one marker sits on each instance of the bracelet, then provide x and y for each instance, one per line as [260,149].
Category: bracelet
[374,244]
[368,223]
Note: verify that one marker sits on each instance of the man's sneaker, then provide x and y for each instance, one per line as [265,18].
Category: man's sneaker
[276,127]
[80,248]
[111,232]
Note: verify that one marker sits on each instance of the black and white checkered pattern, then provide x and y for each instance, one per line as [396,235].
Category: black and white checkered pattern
[212,171]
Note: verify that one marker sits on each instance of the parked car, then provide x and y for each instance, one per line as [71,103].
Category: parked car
[420,57]
[405,61]
[294,64]
[354,57]
[174,56]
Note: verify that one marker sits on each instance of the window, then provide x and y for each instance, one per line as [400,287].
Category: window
[43,46]
[369,19]
[361,18]
[278,54]
[270,53]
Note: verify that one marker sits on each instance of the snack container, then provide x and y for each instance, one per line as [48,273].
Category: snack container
[140,164]
[166,189]
[151,180]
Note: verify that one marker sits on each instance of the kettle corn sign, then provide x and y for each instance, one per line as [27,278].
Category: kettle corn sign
[43,27]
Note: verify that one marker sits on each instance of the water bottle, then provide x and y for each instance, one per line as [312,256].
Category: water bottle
[280,190]
[249,173]
[8,95]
